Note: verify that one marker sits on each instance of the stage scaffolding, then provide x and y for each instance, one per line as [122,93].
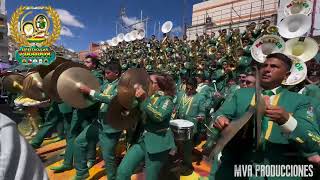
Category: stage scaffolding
[235,15]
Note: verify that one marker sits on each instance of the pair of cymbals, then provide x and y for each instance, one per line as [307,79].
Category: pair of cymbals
[121,112]
[13,82]
[47,87]
[43,70]
[119,117]
[126,89]
[66,80]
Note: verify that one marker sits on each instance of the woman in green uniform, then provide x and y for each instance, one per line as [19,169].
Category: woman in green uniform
[157,139]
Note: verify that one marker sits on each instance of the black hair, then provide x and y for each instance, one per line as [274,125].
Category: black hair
[285,59]
[114,67]
[192,81]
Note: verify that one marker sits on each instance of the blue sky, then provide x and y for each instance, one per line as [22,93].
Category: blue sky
[86,21]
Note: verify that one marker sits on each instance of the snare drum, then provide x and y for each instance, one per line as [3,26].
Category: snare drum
[182,129]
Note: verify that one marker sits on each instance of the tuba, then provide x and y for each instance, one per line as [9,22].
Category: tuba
[266,45]
[294,26]
[298,7]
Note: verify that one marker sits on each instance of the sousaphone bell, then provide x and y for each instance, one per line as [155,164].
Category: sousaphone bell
[298,72]
[166,27]
[304,48]
[13,82]
[298,7]
[266,45]
[123,111]
[141,34]
[294,26]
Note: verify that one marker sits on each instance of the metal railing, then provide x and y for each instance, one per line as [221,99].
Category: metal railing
[238,15]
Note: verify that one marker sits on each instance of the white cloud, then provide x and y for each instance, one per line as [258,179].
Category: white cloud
[177,29]
[68,19]
[66,32]
[133,20]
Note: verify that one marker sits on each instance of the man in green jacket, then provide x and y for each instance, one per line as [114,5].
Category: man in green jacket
[288,135]
[191,106]
[99,130]
[81,118]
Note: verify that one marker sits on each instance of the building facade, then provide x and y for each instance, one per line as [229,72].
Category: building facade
[93,48]
[214,15]
[3,33]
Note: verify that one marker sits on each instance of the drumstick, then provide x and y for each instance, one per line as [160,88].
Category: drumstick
[214,84]
[209,129]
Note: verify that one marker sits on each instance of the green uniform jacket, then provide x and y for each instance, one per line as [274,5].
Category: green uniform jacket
[109,90]
[305,137]
[157,111]
[98,75]
[190,109]
[207,91]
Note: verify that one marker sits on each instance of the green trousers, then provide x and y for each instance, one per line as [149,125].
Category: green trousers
[54,119]
[108,141]
[81,118]
[136,154]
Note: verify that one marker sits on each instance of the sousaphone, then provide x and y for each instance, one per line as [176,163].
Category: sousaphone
[294,26]
[127,37]
[166,27]
[304,48]
[298,7]
[133,35]
[123,112]
[114,41]
[141,34]
[298,72]
[120,37]
[266,45]
[13,82]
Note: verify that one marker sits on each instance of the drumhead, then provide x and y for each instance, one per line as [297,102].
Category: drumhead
[181,123]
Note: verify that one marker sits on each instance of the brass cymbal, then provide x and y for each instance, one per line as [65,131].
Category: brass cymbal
[68,86]
[32,87]
[13,82]
[120,118]
[43,70]
[59,69]
[48,89]
[126,91]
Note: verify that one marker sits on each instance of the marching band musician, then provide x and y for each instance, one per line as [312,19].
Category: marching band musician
[57,113]
[191,106]
[107,135]
[156,140]
[287,127]
[81,118]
